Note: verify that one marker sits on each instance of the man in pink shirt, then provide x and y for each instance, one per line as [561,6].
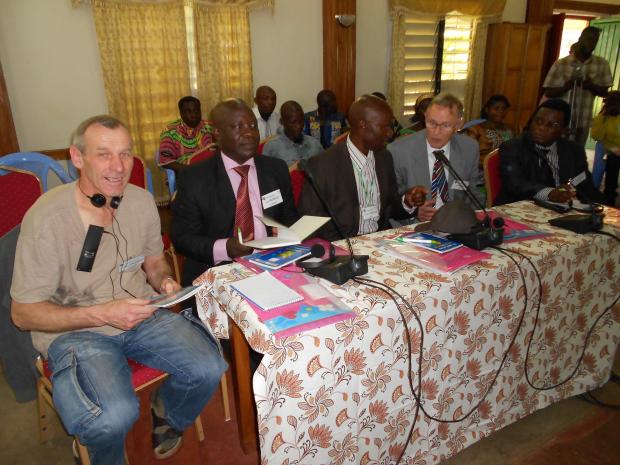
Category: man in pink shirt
[221,197]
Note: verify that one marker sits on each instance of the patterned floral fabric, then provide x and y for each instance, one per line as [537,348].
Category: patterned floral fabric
[178,141]
[340,394]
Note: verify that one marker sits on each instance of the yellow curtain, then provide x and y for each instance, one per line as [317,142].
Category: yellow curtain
[442,7]
[475,72]
[145,68]
[223,52]
[396,80]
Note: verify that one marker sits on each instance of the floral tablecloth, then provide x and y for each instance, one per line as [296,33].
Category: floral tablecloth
[340,394]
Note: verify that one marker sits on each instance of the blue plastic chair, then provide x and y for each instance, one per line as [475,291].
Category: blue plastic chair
[473,122]
[170,175]
[38,164]
[598,167]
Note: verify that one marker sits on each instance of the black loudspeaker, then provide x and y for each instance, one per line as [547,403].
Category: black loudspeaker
[98,200]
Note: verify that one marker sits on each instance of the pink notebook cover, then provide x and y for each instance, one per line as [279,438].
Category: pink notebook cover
[296,280]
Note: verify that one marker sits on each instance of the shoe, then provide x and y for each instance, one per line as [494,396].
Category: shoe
[166,440]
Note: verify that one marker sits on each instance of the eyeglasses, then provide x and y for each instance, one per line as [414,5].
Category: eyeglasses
[548,124]
[435,125]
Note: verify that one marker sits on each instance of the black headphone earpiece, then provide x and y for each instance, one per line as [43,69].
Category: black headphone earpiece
[99,200]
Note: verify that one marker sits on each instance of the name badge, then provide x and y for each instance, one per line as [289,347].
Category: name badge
[456,185]
[271,199]
[369,213]
[131,264]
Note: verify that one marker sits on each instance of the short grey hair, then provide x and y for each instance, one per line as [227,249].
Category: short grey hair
[449,101]
[107,121]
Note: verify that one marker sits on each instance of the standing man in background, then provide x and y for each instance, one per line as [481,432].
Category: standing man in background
[577,79]
[267,119]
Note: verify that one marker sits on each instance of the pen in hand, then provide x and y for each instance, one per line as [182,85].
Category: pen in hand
[239,236]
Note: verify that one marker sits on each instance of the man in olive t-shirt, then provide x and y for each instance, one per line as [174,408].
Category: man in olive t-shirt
[89,322]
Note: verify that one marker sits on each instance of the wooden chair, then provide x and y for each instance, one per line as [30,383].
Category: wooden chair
[19,189]
[492,177]
[144,381]
[177,264]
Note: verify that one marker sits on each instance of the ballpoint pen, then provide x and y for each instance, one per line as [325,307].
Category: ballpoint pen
[239,236]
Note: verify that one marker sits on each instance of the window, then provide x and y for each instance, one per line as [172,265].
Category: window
[571,30]
[425,70]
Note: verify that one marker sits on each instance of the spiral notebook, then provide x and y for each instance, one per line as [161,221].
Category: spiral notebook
[266,291]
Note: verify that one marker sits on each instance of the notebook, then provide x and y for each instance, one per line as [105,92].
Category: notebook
[431,242]
[266,291]
[167,301]
[279,258]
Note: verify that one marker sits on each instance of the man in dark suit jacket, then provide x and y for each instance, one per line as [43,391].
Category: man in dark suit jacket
[203,212]
[539,163]
[356,177]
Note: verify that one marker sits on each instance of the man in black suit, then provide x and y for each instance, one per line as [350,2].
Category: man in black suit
[539,163]
[356,177]
[207,209]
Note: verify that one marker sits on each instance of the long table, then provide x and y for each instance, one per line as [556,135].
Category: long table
[340,394]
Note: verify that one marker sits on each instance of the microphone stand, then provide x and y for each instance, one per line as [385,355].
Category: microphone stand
[337,270]
[490,232]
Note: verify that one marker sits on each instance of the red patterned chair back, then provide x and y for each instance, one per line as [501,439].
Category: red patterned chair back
[138,173]
[492,177]
[297,182]
[19,189]
[204,155]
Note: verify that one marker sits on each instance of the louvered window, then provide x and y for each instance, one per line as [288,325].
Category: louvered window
[426,40]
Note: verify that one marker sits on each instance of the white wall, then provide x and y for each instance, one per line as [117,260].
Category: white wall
[287,50]
[51,66]
[373,44]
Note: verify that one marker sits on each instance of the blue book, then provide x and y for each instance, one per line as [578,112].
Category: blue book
[431,242]
[279,258]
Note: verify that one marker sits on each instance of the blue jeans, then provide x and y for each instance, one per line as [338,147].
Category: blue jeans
[92,382]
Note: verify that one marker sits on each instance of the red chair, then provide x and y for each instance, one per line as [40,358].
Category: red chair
[342,137]
[492,177]
[19,189]
[138,172]
[204,155]
[262,143]
[143,379]
[297,182]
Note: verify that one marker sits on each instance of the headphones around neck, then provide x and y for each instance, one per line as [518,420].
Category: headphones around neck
[98,200]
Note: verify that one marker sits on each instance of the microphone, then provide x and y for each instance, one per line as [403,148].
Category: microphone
[336,269]
[488,232]
[89,249]
[583,223]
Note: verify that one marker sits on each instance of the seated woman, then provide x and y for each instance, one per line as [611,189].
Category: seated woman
[417,120]
[493,131]
[606,128]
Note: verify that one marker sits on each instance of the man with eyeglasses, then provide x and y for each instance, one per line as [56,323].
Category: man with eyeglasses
[541,164]
[416,163]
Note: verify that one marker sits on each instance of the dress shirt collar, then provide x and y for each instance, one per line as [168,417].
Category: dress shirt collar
[430,150]
[354,152]
[230,164]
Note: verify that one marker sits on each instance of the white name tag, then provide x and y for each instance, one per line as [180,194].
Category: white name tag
[271,199]
[131,264]
[456,185]
[369,213]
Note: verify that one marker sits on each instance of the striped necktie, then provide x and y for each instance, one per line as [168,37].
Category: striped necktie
[439,184]
[244,219]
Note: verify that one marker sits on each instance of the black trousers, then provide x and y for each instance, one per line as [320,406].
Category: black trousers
[612,168]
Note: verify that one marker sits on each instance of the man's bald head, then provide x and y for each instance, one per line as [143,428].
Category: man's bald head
[235,129]
[370,119]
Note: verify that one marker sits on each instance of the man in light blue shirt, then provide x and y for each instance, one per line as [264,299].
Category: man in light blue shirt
[292,144]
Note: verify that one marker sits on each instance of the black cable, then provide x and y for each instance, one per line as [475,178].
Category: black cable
[591,399]
[536,318]
[389,291]
[605,233]
[504,357]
